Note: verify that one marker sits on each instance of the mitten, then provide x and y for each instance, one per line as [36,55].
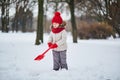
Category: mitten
[54,46]
[49,44]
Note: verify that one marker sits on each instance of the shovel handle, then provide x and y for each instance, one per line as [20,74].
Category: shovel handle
[46,51]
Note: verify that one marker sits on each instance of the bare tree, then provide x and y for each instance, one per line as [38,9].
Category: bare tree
[105,10]
[4,4]
[23,15]
[113,14]
[74,28]
[39,37]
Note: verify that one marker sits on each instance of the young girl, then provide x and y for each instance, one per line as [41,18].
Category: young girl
[57,41]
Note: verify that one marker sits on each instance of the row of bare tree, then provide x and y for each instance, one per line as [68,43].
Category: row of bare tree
[102,10]
[23,15]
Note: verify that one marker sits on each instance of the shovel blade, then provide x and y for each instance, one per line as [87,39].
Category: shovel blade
[40,57]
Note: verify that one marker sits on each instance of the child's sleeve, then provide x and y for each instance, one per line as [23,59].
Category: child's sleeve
[50,39]
[63,39]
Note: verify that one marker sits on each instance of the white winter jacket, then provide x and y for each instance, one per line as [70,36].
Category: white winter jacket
[60,39]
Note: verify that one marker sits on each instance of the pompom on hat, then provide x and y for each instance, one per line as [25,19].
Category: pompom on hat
[57,18]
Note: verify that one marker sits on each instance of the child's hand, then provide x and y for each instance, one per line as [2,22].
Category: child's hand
[54,46]
[49,44]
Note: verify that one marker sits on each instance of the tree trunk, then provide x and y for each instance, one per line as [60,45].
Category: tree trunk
[24,22]
[2,16]
[5,15]
[114,13]
[74,28]
[39,37]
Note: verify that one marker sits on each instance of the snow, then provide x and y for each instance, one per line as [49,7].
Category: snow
[87,60]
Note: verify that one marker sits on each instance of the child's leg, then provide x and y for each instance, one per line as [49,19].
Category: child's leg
[56,60]
[63,62]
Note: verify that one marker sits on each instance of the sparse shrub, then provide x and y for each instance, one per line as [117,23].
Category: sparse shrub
[95,30]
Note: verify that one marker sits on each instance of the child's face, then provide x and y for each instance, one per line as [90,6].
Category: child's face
[55,25]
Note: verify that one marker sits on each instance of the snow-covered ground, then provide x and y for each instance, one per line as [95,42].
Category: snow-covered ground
[87,60]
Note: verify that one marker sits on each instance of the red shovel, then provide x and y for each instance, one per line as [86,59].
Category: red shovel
[41,56]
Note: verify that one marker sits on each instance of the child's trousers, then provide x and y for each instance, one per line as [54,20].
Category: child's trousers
[59,60]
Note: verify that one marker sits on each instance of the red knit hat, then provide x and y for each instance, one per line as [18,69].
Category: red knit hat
[57,18]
